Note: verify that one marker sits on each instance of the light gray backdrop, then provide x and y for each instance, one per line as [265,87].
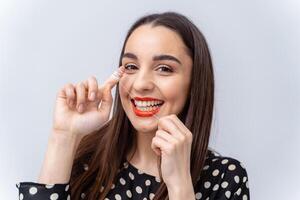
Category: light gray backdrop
[255,47]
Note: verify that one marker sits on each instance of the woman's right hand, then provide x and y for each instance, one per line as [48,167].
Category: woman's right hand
[77,110]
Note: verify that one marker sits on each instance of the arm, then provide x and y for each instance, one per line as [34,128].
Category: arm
[53,181]
[183,191]
[57,165]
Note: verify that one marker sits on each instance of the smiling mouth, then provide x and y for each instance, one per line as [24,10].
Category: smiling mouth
[146,107]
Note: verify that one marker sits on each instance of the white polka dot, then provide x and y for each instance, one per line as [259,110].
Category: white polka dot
[131,176]
[224,184]
[138,189]
[205,167]
[207,184]
[215,172]
[140,171]
[222,175]
[224,161]
[237,179]
[247,185]
[82,195]
[157,179]
[216,187]
[54,196]
[85,167]
[125,164]
[67,188]
[228,194]
[49,186]
[112,186]
[69,197]
[33,190]
[198,195]
[147,182]
[128,193]
[118,197]
[122,181]
[238,192]
[214,159]
[244,179]
[144,198]
[21,196]
[245,197]
[151,196]
[231,167]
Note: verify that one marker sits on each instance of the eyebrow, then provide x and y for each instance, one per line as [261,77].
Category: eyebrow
[155,58]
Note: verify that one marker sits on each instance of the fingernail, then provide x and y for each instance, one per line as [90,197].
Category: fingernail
[92,96]
[116,75]
[80,108]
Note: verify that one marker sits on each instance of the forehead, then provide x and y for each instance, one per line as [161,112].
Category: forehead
[150,40]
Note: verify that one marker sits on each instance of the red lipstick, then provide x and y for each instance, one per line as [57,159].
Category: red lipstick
[154,109]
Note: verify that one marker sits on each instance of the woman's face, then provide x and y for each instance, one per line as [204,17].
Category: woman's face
[157,76]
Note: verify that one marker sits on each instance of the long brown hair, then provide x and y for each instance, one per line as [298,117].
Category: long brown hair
[105,150]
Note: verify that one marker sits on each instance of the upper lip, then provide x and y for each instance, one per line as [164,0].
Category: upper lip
[146,99]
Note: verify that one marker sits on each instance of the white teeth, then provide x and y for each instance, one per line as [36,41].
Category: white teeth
[146,103]
[147,108]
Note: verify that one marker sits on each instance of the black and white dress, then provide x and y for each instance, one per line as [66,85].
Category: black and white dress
[221,178]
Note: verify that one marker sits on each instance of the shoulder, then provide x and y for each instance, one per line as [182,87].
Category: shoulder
[231,167]
[223,176]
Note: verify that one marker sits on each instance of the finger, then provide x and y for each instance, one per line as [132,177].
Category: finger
[92,88]
[184,130]
[169,126]
[70,94]
[106,89]
[81,96]
[158,145]
[114,78]
[155,147]
[165,136]
[178,123]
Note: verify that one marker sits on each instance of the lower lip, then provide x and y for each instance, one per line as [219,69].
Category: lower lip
[141,113]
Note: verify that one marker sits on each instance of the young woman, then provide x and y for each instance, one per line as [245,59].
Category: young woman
[155,146]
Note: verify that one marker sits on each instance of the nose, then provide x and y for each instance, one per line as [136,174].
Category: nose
[143,81]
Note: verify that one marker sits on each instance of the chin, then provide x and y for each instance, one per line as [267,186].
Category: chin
[144,125]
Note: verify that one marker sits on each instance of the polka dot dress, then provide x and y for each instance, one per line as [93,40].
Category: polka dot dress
[221,178]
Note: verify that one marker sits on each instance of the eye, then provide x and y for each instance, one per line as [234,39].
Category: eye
[164,68]
[130,67]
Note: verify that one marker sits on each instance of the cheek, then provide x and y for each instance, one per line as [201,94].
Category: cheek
[124,85]
[175,92]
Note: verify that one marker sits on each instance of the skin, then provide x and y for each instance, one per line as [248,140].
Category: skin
[76,112]
[145,77]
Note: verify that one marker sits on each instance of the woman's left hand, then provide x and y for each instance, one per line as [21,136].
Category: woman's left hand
[173,142]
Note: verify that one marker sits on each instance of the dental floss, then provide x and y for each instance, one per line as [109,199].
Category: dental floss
[117,76]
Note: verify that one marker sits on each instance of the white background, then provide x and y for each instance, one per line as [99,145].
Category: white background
[255,47]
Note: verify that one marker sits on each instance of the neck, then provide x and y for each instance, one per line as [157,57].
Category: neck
[144,156]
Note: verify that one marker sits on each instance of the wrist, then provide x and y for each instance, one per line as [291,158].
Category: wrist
[64,138]
[184,190]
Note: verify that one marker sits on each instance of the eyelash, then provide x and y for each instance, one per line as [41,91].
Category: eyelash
[163,66]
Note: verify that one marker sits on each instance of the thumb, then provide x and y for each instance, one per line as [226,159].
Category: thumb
[107,87]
